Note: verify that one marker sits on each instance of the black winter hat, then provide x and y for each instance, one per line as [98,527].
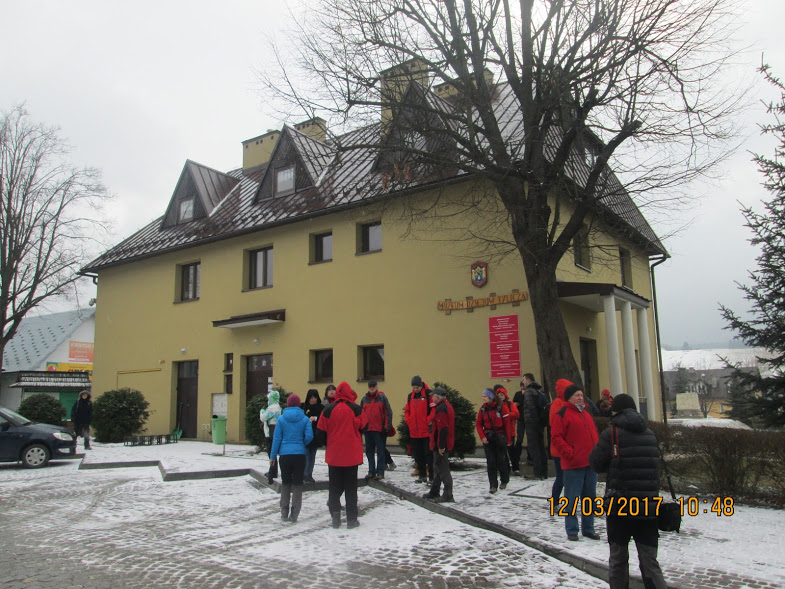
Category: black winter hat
[439,392]
[622,402]
[416,381]
[570,391]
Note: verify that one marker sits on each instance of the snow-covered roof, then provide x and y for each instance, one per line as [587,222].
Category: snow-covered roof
[711,359]
[39,336]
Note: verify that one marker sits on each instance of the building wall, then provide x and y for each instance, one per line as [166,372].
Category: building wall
[388,297]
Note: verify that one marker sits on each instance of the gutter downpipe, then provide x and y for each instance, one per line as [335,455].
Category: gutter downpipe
[91,275]
[657,330]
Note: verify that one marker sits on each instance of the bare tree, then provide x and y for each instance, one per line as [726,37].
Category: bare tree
[47,214]
[533,101]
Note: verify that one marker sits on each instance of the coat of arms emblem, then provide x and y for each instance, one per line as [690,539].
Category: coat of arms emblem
[479,273]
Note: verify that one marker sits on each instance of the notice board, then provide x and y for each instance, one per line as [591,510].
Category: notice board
[505,346]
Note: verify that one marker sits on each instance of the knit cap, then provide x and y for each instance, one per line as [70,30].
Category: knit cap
[293,400]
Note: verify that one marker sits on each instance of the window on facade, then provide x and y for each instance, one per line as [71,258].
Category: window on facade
[370,238]
[625,262]
[322,365]
[322,247]
[373,362]
[190,276]
[261,268]
[228,362]
[228,383]
[284,180]
[185,211]
[580,246]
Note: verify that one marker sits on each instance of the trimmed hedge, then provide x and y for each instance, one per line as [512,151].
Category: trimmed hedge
[42,408]
[119,413]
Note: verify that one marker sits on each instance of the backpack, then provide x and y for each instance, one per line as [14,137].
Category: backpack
[543,408]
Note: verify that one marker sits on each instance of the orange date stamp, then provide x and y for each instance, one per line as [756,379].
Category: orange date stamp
[638,506]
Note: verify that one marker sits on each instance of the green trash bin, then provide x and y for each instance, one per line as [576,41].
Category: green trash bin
[219,430]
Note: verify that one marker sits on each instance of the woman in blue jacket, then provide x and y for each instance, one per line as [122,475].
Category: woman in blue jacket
[293,433]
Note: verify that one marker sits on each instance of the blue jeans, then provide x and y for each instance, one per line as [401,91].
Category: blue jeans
[558,484]
[579,483]
[310,460]
[374,450]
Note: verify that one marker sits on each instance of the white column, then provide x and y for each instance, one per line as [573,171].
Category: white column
[628,342]
[647,375]
[612,343]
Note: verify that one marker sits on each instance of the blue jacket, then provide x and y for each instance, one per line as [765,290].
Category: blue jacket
[292,433]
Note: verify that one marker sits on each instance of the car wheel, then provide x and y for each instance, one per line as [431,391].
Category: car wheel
[35,456]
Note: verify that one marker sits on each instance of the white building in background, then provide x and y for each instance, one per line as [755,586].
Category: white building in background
[50,354]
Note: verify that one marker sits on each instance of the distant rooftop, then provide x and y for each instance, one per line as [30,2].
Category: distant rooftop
[39,336]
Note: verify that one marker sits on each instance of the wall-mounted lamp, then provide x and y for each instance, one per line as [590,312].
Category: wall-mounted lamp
[256,341]
[588,330]
[183,350]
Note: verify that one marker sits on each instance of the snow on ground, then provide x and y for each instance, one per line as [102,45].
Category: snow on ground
[709,422]
[741,546]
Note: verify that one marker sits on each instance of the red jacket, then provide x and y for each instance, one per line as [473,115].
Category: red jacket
[557,404]
[575,435]
[491,417]
[514,413]
[443,430]
[377,412]
[415,413]
[342,422]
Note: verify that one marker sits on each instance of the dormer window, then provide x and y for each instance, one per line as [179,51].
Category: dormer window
[185,211]
[284,180]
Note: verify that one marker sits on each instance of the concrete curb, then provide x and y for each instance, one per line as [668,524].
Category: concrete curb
[586,565]
[127,464]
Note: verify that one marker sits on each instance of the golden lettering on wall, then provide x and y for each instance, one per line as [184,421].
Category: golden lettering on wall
[471,303]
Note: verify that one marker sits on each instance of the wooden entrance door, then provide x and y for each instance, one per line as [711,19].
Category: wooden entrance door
[187,396]
[258,376]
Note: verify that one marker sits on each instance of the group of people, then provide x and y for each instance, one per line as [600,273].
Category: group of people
[627,451]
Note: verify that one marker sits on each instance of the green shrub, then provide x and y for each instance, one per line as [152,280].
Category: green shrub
[42,408]
[465,418]
[253,427]
[119,413]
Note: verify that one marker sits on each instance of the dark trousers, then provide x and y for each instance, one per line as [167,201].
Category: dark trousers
[496,460]
[83,429]
[375,447]
[558,484]
[644,531]
[292,469]
[536,445]
[517,449]
[441,467]
[343,480]
[420,453]
[273,472]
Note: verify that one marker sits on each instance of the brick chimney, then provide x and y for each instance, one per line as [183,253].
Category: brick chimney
[257,150]
[315,128]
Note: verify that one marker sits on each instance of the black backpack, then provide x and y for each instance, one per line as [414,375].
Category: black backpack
[543,408]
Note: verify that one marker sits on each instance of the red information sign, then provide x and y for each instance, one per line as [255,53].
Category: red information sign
[505,346]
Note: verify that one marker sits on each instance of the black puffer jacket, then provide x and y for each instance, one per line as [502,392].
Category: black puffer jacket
[531,403]
[636,473]
[82,411]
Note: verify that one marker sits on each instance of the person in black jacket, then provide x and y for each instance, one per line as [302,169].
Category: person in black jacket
[628,452]
[535,410]
[82,416]
[313,409]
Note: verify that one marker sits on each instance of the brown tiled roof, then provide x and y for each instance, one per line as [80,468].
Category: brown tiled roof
[342,179]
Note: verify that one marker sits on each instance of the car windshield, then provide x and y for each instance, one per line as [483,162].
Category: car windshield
[14,418]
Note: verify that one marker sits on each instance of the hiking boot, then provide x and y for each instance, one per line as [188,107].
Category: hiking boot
[430,495]
[415,473]
[493,490]
[592,536]
[336,519]
[421,480]
[445,499]
[352,524]
[309,479]
[369,476]
[503,486]
[572,537]
[379,477]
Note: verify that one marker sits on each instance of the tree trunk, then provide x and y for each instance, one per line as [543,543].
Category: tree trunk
[557,359]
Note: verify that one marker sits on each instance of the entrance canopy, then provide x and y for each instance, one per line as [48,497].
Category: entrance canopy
[263,318]
[589,295]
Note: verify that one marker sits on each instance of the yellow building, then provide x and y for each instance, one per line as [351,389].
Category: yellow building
[305,268]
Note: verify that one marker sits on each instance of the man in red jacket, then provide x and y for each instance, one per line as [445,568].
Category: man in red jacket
[442,442]
[378,415]
[574,435]
[342,421]
[416,413]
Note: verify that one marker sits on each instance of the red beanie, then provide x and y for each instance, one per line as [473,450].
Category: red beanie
[293,400]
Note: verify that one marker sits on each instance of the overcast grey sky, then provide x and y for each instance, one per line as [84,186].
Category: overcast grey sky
[140,87]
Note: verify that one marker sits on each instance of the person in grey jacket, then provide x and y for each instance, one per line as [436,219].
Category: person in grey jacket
[628,452]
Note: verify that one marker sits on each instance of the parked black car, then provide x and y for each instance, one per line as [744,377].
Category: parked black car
[32,444]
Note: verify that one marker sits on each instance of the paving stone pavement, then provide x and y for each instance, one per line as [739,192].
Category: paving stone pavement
[62,527]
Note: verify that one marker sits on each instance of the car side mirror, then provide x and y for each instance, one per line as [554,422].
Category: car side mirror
[4,426]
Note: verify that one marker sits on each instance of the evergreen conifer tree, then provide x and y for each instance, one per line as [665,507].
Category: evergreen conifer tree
[763,395]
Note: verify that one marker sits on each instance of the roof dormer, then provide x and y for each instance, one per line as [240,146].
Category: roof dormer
[198,192]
